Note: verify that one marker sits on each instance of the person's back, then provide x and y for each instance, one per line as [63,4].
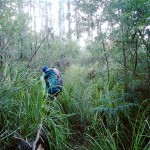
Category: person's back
[53,80]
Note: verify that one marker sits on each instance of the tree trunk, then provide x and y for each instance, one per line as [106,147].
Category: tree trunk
[34,12]
[77,23]
[61,19]
[136,55]
[103,43]
[147,51]
[106,58]
[46,16]
[20,40]
[69,20]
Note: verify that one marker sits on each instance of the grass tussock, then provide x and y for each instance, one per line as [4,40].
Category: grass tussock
[91,112]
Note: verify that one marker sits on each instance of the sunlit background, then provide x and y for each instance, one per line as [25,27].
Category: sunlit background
[53,14]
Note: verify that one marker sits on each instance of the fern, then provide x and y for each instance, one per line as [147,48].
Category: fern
[114,110]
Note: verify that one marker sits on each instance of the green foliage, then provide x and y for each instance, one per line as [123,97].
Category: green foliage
[104,109]
[141,127]
[23,106]
[13,30]
[56,53]
[94,110]
[101,140]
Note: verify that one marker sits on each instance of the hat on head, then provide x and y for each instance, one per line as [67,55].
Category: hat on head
[44,68]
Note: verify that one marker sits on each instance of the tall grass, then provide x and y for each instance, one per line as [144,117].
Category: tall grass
[23,105]
[100,106]
[141,129]
[90,113]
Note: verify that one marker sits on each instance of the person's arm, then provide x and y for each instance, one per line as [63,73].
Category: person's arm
[46,80]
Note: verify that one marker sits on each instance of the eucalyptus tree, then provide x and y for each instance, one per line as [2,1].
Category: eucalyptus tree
[13,30]
[130,33]
[85,10]
[22,31]
[61,19]
[92,23]
[69,19]
[128,21]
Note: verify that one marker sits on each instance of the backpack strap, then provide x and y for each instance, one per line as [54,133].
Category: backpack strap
[57,76]
[56,72]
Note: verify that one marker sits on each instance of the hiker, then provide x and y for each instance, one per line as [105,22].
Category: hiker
[53,81]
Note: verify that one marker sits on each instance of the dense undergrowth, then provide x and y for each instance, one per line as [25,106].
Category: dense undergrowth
[91,113]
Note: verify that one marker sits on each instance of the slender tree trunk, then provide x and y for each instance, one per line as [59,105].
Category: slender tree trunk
[124,57]
[148,57]
[46,17]
[136,55]
[147,51]
[34,15]
[1,4]
[50,14]
[89,28]
[106,58]
[61,19]
[124,52]
[77,22]
[30,8]
[104,47]
[1,39]
[20,41]
[69,20]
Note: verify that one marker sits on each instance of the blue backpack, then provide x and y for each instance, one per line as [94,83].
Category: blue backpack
[54,80]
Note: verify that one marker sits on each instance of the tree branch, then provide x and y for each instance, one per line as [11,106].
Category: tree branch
[38,48]
[37,136]
[23,142]
[144,42]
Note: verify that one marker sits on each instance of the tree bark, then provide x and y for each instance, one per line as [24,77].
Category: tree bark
[136,55]
[69,20]
[148,53]
[77,23]
[61,19]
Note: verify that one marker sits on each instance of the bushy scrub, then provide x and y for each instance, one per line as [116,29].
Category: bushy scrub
[104,112]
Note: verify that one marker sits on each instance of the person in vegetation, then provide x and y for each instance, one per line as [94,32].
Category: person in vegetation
[53,81]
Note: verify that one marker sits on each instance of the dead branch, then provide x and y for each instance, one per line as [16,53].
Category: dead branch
[38,47]
[23,142]
[37,136]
